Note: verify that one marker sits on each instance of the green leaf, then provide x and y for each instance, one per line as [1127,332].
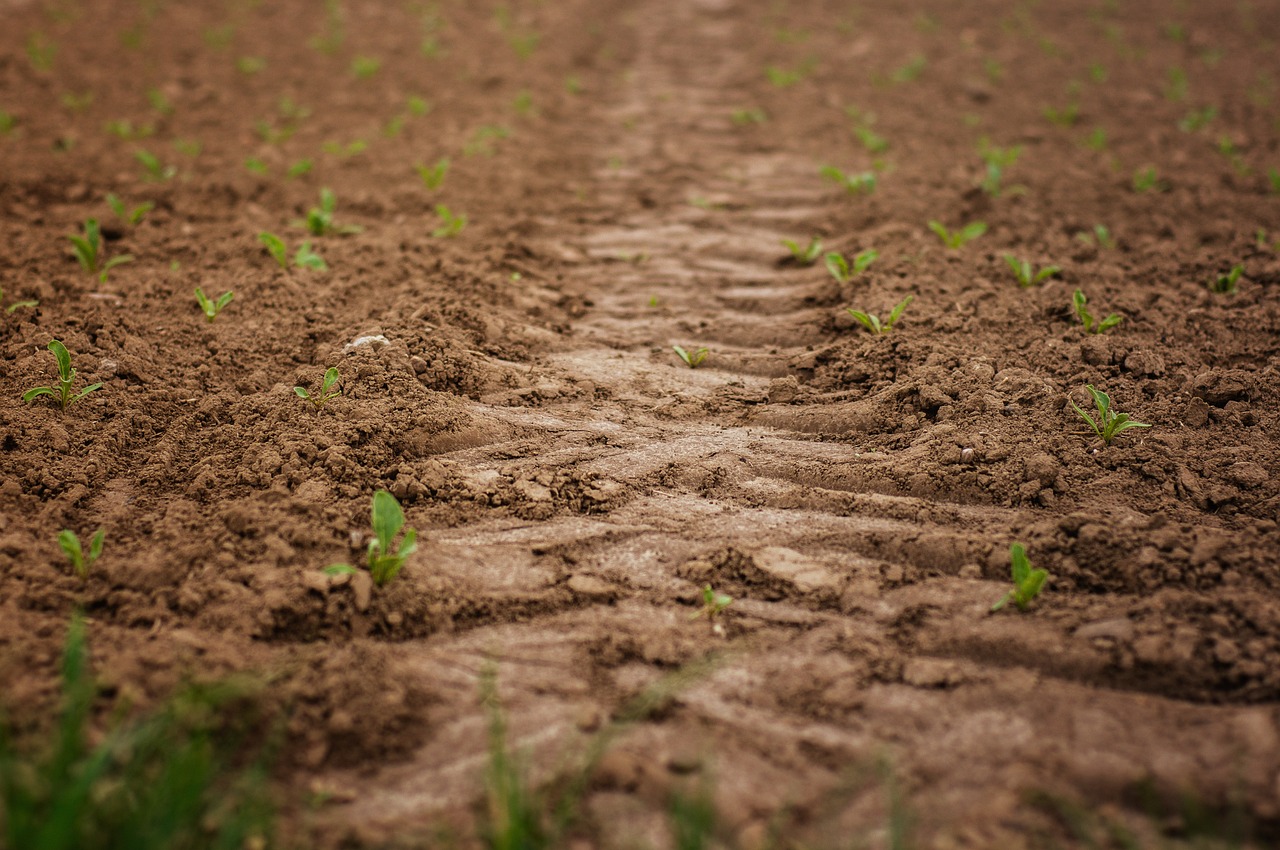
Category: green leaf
[408,544]
[330,378]
[276,247]
[224,300]
[897,311]
[302,393]
[95,545]
[838,267]
[1086,417]
[340,570]
[1019,563]
[64,359]
[70,544]
[84,392]
[37,392]
[388,519]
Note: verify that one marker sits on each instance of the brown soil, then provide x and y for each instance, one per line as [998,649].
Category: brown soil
[575,484]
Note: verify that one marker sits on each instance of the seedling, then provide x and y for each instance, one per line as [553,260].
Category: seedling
[1101,236]
[1027,582]
[211,309]
[1109,424]
[81,561]
[319,220]
[842,271]
[874,324]
[753,115]
[130,217]
[154,168]
[364,67]
[871,140]
[1227,284]
[305,258]
[88,250]
[804,256]
[159,101]
[66,377]
[483,139]
[863,183]
[451,224]
[1067,116]
[346,151]
[433,176]
[17,305]
[1273,177]
[785,77]
[7,123]
[1079,304]
[1148,180]
[910,71]
[327,390]
[249,65]
[1176,91]
[384,562]
[713,605]
[299,168]
[1096,140]
[691,359]
[1197,119]
[1026,274]
[276,248]
[997,160]
[961,237]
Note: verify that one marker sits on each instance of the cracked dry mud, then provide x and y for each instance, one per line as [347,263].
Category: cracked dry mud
[575,485]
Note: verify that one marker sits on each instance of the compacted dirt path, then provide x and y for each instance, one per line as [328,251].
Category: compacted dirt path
[576,485]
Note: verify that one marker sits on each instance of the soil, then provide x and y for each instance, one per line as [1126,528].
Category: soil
[575,485]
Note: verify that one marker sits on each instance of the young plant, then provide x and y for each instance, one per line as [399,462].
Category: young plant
[276,248]
[130,217]
[1079,305]
[961,237]
[305,258]
[1148,180]
[863,183]
[997,160]
[749,115]
[88,250]
[154,168]
[1066,116]
[66,378]
[384,561]
[842,271]
[691,359]
[451,224]
[1109,424]
[17,305]
[874,324]
[1027,582]
[81,561]
[804,256]
[211,309]
[1026,274]
[433,176]
[1227,284]
[713,604]
[319,220]
[327,390]
[1101,236]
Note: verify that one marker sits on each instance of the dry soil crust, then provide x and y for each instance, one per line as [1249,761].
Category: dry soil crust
[628,170]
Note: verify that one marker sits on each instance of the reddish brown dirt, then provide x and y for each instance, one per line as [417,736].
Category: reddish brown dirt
[574,484]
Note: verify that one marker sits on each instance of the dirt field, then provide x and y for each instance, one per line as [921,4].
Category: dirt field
[628,171]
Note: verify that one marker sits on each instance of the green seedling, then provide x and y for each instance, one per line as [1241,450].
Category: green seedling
[1096,140]
[1101,237]
[88,251]
[713,605]
[1067,116]
[1197,119]
[1079,305]
[154,168]
[1227,284]
[1148,180]
[327,390]
[159,101]
[81,561]
[40,52]
[364,67]
[1109,424]
[997,160]
[131,217]
[77,102]
[433,176]
[211,309]
[276,248]
[783,78]
[17,305]
[249,65]
[319,220]
[843,271]
[451,224]
[804,256]
[910,71]
[346,151]
[483,140]
[961,237]
[871,140]
[1026,274]
[7,123]
[305,258]
[1176,91]
[385,563]
[863,183]
[874,324]
[299,168]
[256,166]
[691,359]
[753,115]
[1027,582]
[188,147]
[66,378]
[1273,177]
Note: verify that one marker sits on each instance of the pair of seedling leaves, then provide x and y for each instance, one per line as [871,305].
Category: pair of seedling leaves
[384,559]
[81,560]
[1027,582]
[62,394]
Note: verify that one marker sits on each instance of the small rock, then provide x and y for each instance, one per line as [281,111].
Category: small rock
[684,764]
[1042,468]
[1247,474]
[931,673]
[1219,386]
[419,365]
[800,571]
[362,587]
[1096,350]
[316,581]
[371,339]
[1146,363]
[591,587]
[1116,628]
[783,390]
[1196,413]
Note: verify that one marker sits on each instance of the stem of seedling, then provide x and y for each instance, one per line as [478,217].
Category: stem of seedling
[66,378]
